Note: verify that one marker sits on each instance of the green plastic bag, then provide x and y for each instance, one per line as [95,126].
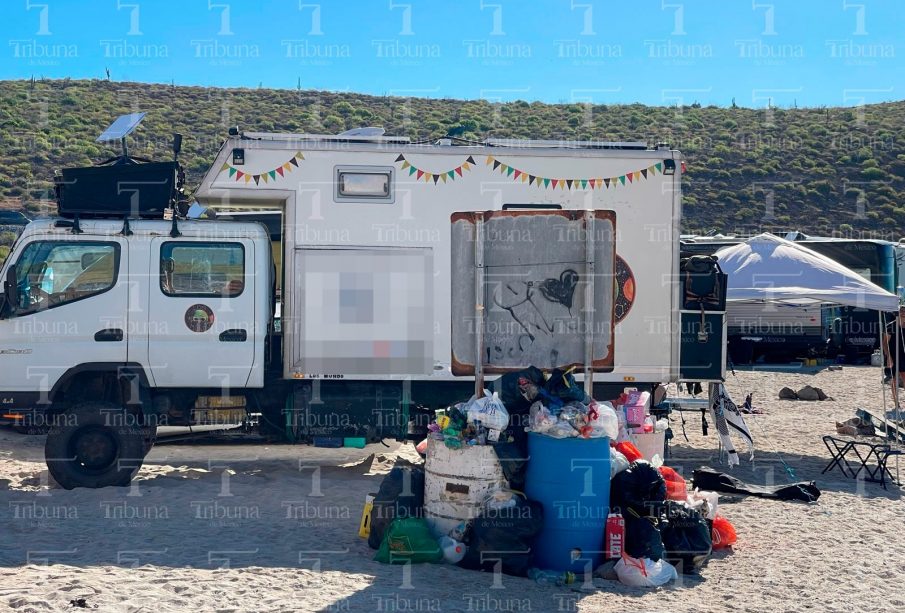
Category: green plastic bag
[408,539]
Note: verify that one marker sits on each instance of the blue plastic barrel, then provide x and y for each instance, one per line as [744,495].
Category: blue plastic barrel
[570,477]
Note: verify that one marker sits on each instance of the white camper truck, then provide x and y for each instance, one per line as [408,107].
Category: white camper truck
[113,323]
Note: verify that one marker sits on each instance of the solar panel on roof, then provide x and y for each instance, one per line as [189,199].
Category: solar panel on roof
[121,127]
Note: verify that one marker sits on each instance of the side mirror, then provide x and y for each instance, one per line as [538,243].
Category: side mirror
[10,300]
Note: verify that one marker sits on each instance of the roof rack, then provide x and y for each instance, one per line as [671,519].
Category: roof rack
[566,144]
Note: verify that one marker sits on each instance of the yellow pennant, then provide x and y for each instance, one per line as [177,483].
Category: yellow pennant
[489,160]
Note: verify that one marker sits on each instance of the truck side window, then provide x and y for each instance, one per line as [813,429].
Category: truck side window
[54,273]
[200,270]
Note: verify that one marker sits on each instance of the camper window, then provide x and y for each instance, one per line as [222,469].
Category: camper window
[199,270]
[364,184]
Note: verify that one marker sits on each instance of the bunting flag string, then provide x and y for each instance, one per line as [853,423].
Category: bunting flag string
[585,183]
[423,175]
[271,175]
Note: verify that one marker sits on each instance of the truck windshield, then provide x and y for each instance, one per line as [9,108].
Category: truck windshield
[52,273]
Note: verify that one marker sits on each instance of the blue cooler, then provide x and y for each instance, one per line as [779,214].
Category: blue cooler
[570,477]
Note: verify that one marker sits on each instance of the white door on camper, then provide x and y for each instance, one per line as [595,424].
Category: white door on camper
[201,312]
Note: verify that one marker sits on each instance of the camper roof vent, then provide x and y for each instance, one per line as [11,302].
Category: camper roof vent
[565,144]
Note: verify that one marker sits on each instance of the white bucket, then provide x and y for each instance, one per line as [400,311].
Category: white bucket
[456,483]
[876,358]
[650,443]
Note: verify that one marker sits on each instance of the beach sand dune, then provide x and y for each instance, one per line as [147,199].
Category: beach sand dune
[274,528]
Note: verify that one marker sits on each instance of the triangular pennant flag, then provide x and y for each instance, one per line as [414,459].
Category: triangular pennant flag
[524,177]
[420,174]
[569,183]
[607,182]
[451,174]
[405,165]
[622,179]
[257,179]
[496,164]
[239,174]
[644,172]
[459,171]
[232,171]
[299,155]
[443,176]
[469,159]
[503,168]
[264,177]
[531,179]
[273,174]
[412,170]
[584,184]
[294,162]
[248,178]
[280,170]
[466,166]
[224,167]
[517,174]
[546,183]
[651,170]
[489,159]
[509,171]
[554,182]
[401,158]
[659,166]
[436,178]
[287,166]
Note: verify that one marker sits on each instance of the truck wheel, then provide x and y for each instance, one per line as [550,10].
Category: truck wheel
[86,447]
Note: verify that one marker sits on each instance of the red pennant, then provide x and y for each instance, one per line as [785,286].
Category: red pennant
[517,173]
[239,174]
[459,171]
[554,182]
[629,176]
[420,174]
[280,170]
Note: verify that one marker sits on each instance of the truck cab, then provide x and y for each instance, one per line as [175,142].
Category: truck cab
[105,321]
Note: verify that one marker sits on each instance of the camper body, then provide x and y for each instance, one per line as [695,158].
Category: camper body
[334,321]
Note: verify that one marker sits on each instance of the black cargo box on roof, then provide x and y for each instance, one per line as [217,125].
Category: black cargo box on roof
[117,190]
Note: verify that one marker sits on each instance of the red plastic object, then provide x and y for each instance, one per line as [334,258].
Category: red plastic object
[630,452]
[675,484]
[723,533]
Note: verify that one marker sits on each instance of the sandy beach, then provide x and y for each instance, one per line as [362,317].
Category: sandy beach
[274,528]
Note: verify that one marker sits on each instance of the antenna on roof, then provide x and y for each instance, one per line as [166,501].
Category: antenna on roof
[121,127]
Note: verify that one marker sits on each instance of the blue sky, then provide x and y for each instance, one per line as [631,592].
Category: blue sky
[660,52]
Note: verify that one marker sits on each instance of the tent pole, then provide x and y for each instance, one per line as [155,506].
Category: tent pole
[898,328]
[883,352]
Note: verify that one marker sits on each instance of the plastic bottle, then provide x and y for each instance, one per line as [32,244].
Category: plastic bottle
[551,577]
[458,533]
[648,425]
[453,550]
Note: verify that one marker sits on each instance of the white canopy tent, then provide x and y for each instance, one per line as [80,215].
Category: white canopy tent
[767,268]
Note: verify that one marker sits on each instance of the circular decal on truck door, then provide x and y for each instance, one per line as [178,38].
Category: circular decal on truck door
[199,318]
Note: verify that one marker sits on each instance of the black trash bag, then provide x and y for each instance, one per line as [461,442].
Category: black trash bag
[401,495]
[639,488]
[516,389]
[706,478]
[642,537]
[506,537]
[562,387]
[514,462]
[687,539]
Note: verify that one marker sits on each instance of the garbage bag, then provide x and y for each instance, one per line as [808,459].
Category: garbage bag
[514,462]
[675,484]
[505,537]
[723,533]
[603,420]
[644,572]
[706,478]
[401,495]
[629,450]
[642,536]
[519,389]
[618,463]
[562,387]
[408,540]
[686,537]
[489,410]
[640,488]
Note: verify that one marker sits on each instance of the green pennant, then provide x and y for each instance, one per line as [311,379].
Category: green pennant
[412,170]
[510,170]
[232,171]
[273,174]
[451,174]
[546,182]
[659,166]
[584,184]
[622,179]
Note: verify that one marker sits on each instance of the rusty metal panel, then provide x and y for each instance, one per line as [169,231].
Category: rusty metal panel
[535,279]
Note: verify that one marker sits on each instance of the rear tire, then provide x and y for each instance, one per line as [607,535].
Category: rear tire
[94,444]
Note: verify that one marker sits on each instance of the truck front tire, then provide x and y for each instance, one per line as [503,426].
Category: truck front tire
[94,444]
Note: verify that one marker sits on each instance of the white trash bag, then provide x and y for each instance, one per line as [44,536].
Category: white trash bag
[489,410]
[606,423]
[644,572]
[618,462]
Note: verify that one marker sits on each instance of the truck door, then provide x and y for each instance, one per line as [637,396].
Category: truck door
[71,309]
[201,312]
